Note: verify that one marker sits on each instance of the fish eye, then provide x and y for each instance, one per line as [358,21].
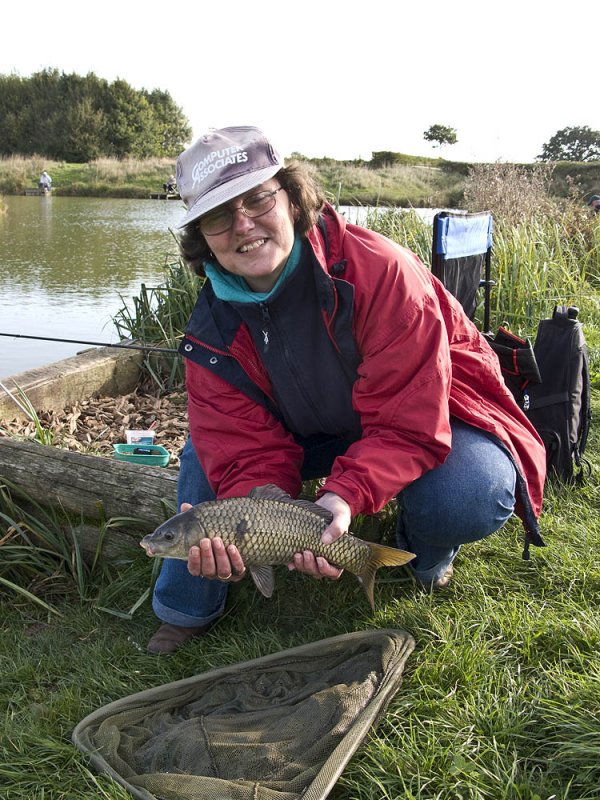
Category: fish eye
[169,536]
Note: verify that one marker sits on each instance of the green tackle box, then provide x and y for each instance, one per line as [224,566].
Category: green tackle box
[151,454]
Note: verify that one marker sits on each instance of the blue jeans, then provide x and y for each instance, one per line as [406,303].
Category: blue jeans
[468,497]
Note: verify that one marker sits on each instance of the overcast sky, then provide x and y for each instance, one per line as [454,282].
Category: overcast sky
[338,79]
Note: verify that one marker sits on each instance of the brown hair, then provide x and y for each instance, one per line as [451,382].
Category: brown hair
[304,194]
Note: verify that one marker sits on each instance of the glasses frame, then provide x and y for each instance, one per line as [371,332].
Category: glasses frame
[243,209]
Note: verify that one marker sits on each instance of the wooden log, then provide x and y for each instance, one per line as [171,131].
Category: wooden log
[92,487]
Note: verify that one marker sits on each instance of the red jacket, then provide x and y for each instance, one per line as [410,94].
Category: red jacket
[422,360]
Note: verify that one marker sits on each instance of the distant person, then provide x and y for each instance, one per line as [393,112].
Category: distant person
[316,349]
[45,182]
[171,185]
[594,203]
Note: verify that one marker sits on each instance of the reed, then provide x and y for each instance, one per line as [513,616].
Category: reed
[159,316]
[41,434]
[536,264]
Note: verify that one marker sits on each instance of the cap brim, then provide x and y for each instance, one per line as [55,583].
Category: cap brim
[228,191]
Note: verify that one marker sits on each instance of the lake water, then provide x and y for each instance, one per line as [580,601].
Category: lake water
[67,265]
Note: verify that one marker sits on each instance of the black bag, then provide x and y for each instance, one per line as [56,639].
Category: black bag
[559,407]
[557,400]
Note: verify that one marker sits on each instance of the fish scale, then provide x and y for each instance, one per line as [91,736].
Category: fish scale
[268,527]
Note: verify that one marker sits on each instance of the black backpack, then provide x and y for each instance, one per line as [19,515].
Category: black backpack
[551,383]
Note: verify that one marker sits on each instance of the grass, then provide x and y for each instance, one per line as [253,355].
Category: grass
[101,178]
[499,699]
[413,182]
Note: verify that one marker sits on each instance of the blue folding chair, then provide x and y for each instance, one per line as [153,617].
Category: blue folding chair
[461,258]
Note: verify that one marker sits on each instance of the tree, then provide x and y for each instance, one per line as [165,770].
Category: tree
[173,130]
[80,141]
[384,158]
[78,119]
[572,144]
[442,134]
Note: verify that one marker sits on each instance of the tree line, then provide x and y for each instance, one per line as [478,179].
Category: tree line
[78,119]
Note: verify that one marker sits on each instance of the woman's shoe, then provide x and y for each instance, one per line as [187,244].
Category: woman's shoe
[438,583]
[169,638]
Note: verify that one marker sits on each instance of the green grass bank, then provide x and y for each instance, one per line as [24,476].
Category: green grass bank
[417,182]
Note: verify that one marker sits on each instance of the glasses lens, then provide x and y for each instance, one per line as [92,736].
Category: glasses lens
[255,205]
[217,222]
[259,203]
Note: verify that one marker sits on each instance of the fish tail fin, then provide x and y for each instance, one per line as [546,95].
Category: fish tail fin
[380,556]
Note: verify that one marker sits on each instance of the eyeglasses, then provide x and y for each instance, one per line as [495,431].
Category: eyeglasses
[221,220]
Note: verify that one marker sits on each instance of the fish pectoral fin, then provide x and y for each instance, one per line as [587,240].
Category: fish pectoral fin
[264,579]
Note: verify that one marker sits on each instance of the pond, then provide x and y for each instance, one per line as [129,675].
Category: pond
[67,265]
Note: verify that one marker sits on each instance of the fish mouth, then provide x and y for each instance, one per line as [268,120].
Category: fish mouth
[147,547]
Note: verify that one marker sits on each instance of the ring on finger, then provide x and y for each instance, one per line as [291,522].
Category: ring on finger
[225,577]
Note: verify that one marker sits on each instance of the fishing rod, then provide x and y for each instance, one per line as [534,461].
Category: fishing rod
[145,348]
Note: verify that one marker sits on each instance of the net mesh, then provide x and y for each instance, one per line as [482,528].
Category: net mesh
[281,727]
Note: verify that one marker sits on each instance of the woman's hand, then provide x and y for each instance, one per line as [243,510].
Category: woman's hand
[211,559]
[317,566]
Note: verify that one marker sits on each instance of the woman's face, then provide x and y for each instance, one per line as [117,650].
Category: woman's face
[257,248]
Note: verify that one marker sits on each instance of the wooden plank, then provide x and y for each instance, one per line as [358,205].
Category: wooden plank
[94,487]
[95,372]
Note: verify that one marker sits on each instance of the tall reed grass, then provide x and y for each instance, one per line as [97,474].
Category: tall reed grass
[104,177]
[159,316]
[535,264]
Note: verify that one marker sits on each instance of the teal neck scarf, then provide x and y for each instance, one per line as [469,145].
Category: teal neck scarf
[235,289]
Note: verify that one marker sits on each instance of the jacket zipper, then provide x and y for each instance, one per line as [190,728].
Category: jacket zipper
[269,324]
[266,320]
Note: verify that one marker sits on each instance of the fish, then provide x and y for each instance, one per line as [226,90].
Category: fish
[268,526]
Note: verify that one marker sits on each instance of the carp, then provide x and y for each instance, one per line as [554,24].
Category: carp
[268,527]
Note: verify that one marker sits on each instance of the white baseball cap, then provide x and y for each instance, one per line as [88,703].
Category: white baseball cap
[221,165]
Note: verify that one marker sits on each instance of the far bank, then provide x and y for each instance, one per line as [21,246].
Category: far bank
[416,181]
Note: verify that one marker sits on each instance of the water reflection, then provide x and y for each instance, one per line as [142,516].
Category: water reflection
[66,264]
